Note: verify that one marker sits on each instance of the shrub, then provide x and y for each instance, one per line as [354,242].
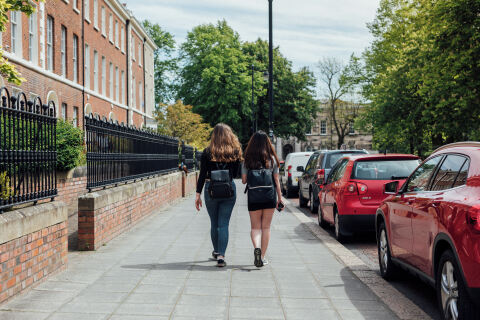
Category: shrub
[70,147]
[5,189]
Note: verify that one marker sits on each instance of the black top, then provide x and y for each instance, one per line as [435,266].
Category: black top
[207,166]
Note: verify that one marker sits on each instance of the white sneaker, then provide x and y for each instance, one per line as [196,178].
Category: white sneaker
[265,261]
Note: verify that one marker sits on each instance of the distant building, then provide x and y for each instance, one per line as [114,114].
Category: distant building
[89,56]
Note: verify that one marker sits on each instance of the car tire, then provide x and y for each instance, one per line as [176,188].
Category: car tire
[321,221]
[387,269]
[451,301]
[313,203]
[338,227]
[303,201]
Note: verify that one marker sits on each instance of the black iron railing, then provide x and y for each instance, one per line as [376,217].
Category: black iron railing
[27,150]
[188,156]
[118,153]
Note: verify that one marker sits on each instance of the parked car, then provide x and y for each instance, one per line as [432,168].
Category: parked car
[354,190]
[316,172]
[289,175]
[431,226]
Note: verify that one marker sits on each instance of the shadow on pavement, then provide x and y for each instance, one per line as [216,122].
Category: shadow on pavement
[189,265]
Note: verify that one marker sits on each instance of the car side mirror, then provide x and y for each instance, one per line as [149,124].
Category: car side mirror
[391,187]
[300,169]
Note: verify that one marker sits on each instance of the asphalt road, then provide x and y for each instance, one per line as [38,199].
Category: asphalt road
[365,247]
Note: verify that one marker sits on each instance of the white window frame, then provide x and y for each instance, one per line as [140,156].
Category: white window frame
[117,84]
[75,116]
[49,43]
[87,10]
[95,14]
[110,81]
[104,24]
[75,58]
[134,100]
[132,49]
[122,39]
[104,76]
[63,51]
[323,127]
[95,70]
[140,95]
[110,26]
[87,66]
[16,32]
[75,6]
[117,42]
[123,87]
[140,54]
[33,38]
[63,111]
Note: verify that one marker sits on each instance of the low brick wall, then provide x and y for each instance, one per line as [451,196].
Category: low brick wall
[104,214]
[33,244]
[71,185]
[189,183]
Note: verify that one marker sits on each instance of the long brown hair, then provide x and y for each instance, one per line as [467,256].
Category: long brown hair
[224,145]
[259,152]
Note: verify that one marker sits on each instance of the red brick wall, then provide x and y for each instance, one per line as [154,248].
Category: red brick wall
[70,189]
[96,225]
[27,260]
[190,183]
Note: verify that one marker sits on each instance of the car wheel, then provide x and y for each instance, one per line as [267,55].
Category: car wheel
[313,203]
[321,222]
[387,268]
[301,199]
[452,295]
[338,228]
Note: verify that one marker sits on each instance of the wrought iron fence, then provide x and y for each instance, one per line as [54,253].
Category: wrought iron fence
[188,157]
[118,153]
[27,150]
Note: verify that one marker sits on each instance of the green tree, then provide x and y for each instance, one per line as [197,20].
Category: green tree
[7,70]
[294,104]
[178,120]
[166,65]
[70,146]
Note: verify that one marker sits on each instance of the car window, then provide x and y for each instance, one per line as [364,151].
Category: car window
[449,172]
[300,160]
[338,171]
[320,161]
[461,179]
[312,163]
[384,169]
[420,178]
[333,158]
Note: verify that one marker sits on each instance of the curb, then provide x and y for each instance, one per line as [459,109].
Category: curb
[403,307]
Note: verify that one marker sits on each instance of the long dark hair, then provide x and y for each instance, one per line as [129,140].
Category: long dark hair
[259,152]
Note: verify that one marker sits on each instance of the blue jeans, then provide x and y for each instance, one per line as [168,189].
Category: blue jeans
[220,211]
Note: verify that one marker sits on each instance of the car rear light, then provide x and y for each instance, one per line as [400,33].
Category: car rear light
[288,170]
[473,218]
[351,187]
[362,189]
[320,175]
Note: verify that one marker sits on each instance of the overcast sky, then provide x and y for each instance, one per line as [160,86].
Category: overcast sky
[305,30]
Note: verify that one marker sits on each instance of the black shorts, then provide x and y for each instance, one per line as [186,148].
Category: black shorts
[261,206]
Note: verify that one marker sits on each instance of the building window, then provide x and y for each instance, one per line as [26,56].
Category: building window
[75,58]
[134,90]
[351,128]
[32,38]
[117,43]
[50,43]
[104,76]
[323,127]
[117,83]
[87,66]
[123,87]
[64,111]
[16,32]
[87,9]
[104,29]
[140,54]
[75,4]
[95,70]
[110,30]
[95,13]
[140,95]
[75,116]
[122,39]
[132,49]
[63,51]
[110,81]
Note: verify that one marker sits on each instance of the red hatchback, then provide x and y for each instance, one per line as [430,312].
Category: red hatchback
[431,226]
[354,190]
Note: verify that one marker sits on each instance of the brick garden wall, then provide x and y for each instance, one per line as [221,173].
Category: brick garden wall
[33,245]
[105,214]
[71,185]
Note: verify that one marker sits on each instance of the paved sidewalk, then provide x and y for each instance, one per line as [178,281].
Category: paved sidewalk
[160,270]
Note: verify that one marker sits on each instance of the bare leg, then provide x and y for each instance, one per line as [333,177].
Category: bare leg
[267,217]
[256,227]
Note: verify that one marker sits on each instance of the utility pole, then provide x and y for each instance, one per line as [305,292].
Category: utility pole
[270,67]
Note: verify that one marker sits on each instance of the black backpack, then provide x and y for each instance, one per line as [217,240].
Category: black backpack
[220,183]
[260,186]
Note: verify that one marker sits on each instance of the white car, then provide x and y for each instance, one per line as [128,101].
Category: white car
[288,172]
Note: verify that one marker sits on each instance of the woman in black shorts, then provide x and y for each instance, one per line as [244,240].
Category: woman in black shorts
[260,154]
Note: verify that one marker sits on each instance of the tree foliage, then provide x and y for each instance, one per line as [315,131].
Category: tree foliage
[165,62]
[178,120]
[216,79]
[70,147]
[7,70]
[422,74]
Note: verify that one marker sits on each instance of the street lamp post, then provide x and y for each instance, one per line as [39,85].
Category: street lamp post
[254,120]
[270,67]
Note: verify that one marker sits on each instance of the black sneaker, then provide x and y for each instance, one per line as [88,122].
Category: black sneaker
[257,253]
[215,255]
[221,263]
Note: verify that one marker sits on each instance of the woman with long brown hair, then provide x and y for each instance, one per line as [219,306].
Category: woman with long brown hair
[219,165]
[261,164]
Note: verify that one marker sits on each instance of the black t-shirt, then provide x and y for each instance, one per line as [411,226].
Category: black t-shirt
[207,166]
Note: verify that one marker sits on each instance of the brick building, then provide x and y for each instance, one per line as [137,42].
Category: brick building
[88,56]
